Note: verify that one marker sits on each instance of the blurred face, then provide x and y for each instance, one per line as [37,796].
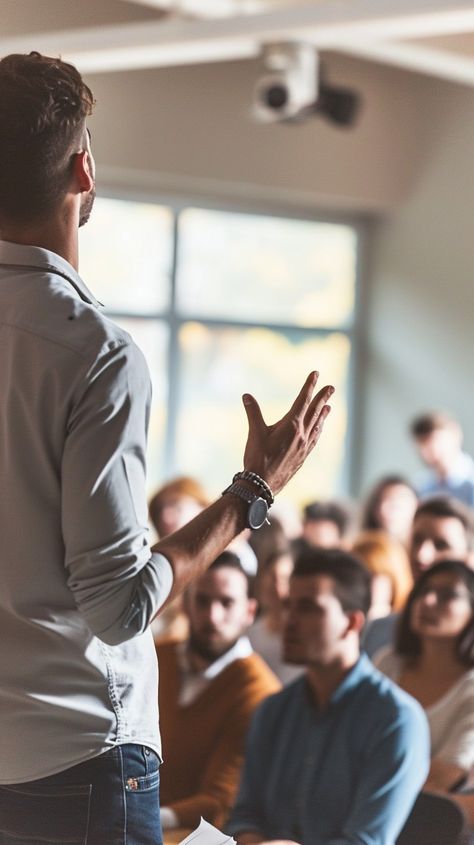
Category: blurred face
[176,510]
[322,533]
[443,609]
[219,612]
[435,538]
[316,624]
[275,582]
[440,448]
[396,510]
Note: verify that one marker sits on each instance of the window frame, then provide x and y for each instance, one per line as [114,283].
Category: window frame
[360,223]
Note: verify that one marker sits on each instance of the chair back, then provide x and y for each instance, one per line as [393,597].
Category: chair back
[434,820]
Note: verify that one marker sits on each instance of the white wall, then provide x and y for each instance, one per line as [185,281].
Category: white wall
[410,159]
[420,340]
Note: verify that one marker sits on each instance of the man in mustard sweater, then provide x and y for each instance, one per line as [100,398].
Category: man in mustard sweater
[209,689]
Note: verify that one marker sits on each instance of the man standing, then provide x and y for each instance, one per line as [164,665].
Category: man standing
[209,688]
[338,756]
[79,583]
[438,438]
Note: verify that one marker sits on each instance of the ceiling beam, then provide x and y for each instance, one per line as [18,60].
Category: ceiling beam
[416,57]
[181,41]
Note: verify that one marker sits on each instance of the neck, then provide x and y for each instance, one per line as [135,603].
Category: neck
[439,656]
[57,234]
[324,679]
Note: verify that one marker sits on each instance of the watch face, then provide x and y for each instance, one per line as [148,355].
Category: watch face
[257,513]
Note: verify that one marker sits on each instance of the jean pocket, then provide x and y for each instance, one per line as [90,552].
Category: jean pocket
[146,783]
[40,814]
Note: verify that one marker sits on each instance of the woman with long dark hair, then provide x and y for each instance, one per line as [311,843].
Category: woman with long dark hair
[433,660]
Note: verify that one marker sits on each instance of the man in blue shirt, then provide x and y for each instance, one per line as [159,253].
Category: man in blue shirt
[438,438]
[339,756]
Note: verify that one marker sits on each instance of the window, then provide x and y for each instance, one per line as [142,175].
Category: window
[222,303]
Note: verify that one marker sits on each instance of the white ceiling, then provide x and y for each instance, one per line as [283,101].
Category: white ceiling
[435,37]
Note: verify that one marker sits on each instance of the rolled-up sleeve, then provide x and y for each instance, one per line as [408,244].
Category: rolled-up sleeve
[118,585]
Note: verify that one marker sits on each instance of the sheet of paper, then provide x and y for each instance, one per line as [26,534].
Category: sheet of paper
[207,834]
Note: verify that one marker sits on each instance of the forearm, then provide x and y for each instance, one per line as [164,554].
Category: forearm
[193,548]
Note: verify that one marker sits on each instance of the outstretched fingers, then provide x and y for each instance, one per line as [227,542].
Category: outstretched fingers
[303,399]
[316,406]
[318,425]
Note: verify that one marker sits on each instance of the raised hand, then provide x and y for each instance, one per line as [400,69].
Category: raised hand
[277,451]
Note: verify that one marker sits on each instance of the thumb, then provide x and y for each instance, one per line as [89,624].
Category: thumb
[254,414]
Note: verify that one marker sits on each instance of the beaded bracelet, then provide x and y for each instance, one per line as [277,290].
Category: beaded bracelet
[246,475]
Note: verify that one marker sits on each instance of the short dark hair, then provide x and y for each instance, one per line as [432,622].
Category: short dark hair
[330,512]
[43,107]
[370,520]
[407,643]
[232,561]
[352,580]
[425,424]
[447,507]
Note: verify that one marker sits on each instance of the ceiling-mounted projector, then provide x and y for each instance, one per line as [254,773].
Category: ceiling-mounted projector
[292,88]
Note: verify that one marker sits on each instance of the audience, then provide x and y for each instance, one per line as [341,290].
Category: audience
[273,582]
[387,561]
[209,688]
[325,526]
[339,755]
[438,438]
[442,527]
[433,660]
[390,507]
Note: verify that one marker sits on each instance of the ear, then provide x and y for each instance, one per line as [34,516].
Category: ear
[355,621]
[252,606]
[83,171]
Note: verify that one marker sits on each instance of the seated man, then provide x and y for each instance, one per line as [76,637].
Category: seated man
[209,688]
[442,527]
[325,525]
[338,756]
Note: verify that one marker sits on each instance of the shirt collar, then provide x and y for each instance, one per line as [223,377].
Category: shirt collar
[359,671]
[462,469]
[37,258]
[241,649]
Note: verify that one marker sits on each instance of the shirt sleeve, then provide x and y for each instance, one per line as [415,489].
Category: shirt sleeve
[393,772]
[118,585]
[457,745]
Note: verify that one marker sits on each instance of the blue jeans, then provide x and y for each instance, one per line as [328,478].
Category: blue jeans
[109,800]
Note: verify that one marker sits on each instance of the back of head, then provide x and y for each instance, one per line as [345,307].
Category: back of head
[351,578]
[43,107]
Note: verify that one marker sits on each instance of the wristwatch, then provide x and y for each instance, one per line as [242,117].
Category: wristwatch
[258,507]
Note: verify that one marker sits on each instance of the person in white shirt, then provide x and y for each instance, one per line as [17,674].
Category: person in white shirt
[433,660]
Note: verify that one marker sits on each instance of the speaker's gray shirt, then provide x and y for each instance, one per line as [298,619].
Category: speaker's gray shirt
[78,583]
